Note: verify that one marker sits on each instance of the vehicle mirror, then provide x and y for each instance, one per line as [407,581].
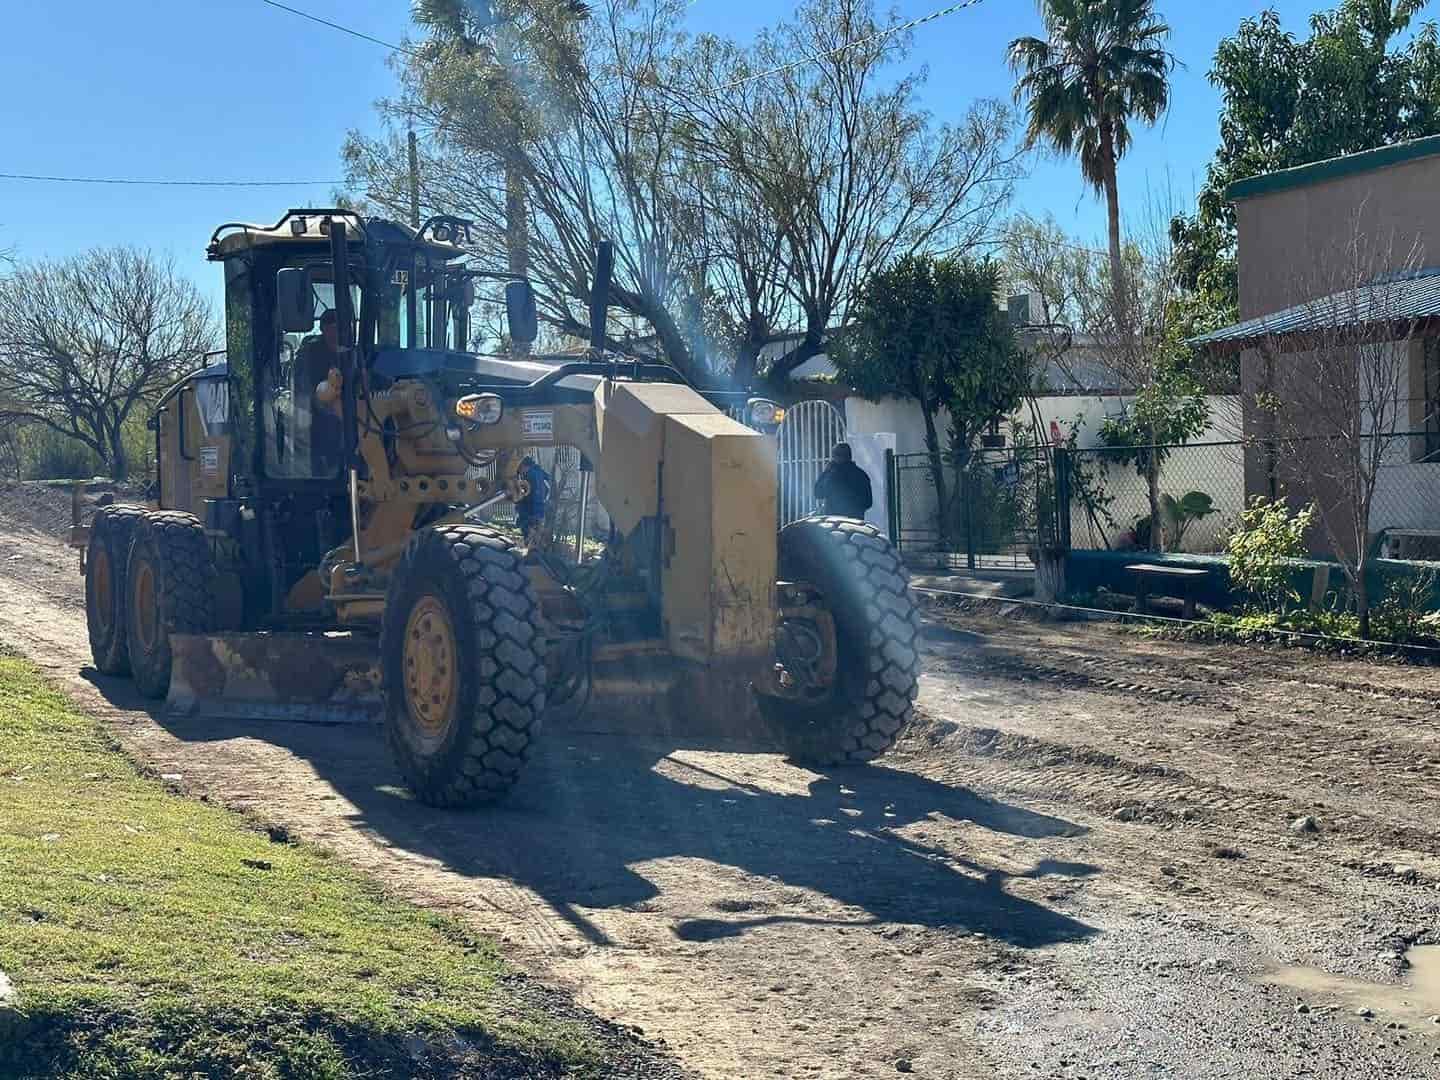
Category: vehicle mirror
[600,292]
[520,312]
[295,300]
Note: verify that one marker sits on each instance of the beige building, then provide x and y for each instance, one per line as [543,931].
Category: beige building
[1339,293]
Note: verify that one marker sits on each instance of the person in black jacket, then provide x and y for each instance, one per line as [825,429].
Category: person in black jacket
[843,489]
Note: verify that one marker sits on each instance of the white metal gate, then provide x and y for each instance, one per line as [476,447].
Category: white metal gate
[808,433]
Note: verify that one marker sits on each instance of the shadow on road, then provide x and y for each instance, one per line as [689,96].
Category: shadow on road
[591,811]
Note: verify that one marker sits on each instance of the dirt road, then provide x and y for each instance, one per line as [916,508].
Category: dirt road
[1085,862]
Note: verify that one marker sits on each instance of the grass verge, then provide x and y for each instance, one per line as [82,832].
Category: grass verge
[152,936]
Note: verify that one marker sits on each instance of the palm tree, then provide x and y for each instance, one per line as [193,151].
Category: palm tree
[1104,63]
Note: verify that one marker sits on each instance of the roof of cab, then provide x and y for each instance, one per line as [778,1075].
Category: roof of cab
[311,227]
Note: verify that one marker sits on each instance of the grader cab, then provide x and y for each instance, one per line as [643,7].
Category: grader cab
[319,549]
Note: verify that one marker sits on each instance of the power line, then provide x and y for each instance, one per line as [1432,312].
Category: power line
[343,29]
[167,183]
[879,35]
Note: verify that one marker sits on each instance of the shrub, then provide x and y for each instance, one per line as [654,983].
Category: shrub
[1260,549]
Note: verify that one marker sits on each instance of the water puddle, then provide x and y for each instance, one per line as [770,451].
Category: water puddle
[1416,998]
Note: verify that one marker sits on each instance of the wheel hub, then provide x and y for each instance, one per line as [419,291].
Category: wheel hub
[103,585]
[429,658]
[147,613]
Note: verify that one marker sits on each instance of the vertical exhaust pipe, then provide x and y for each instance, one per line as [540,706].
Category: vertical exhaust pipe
[600,292]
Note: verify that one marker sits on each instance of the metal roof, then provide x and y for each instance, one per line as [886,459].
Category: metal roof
[1334,168]
[1391,307]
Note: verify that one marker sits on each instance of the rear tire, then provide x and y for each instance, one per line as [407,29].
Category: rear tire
[464,670]
[106,556]
[170,585]
[877,629]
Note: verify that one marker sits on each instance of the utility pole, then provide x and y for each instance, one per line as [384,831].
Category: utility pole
[517,215]
[414,182]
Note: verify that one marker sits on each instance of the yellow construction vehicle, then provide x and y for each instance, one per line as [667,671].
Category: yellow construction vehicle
[318,550]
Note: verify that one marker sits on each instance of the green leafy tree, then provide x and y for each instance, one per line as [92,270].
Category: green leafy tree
[1355,83]
[929,329]
[1102,64]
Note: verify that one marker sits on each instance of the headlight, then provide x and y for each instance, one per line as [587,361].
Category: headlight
[765,413]
[480,409]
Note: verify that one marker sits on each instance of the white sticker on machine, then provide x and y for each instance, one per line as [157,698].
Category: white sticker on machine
[210,459]
[537,425]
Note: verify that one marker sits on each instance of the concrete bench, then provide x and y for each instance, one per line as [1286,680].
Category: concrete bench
[1177,581]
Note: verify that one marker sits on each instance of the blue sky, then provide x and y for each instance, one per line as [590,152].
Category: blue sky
[234,89]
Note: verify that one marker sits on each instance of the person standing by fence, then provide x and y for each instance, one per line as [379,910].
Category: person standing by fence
[843,489]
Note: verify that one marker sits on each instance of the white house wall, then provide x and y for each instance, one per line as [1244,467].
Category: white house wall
[1216,470]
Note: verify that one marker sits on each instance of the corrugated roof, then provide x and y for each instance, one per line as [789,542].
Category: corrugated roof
[1394,304]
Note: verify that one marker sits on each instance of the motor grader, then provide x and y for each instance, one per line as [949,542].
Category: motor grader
[318,548]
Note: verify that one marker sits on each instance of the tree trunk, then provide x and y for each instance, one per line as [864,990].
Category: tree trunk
[674,343]
[937,470]
[1152,483]
[780,370]
[1112,209]
[747,359]
[1362,595]
[119,464]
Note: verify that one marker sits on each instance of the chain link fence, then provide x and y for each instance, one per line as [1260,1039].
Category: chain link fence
[996,508]
[1199,486]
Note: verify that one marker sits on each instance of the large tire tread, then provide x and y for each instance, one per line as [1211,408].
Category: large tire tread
[176,546]
[496,620]
[878,629]
[111,530]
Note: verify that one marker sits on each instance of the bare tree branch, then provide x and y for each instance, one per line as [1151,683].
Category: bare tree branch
[85,340]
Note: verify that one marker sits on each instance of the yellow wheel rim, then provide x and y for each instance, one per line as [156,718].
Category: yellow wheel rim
[147,612]
[103,585]
[431,683]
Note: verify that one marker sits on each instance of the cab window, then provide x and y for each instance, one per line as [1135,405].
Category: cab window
[303,433]
[240,359]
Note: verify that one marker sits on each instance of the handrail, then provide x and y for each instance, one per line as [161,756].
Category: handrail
[306,211]
[611,369]
[180,412]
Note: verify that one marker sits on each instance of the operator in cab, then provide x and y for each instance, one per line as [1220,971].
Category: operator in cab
[843,489]
[319,378]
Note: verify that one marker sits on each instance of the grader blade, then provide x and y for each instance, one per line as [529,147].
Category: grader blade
[297,677]
[644,691]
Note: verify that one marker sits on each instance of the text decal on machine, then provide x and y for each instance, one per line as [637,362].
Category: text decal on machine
[537,425]
[210,460]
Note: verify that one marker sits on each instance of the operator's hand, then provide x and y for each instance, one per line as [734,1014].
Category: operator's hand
[328,392]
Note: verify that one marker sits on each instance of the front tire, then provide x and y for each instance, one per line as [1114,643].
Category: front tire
[464,671]
[170,584]
[106,556]
[877,629]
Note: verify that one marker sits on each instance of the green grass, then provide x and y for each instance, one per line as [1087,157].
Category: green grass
[150,935]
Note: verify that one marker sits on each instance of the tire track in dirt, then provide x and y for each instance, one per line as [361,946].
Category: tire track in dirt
[1066,775]
[760,919]
[765,920]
